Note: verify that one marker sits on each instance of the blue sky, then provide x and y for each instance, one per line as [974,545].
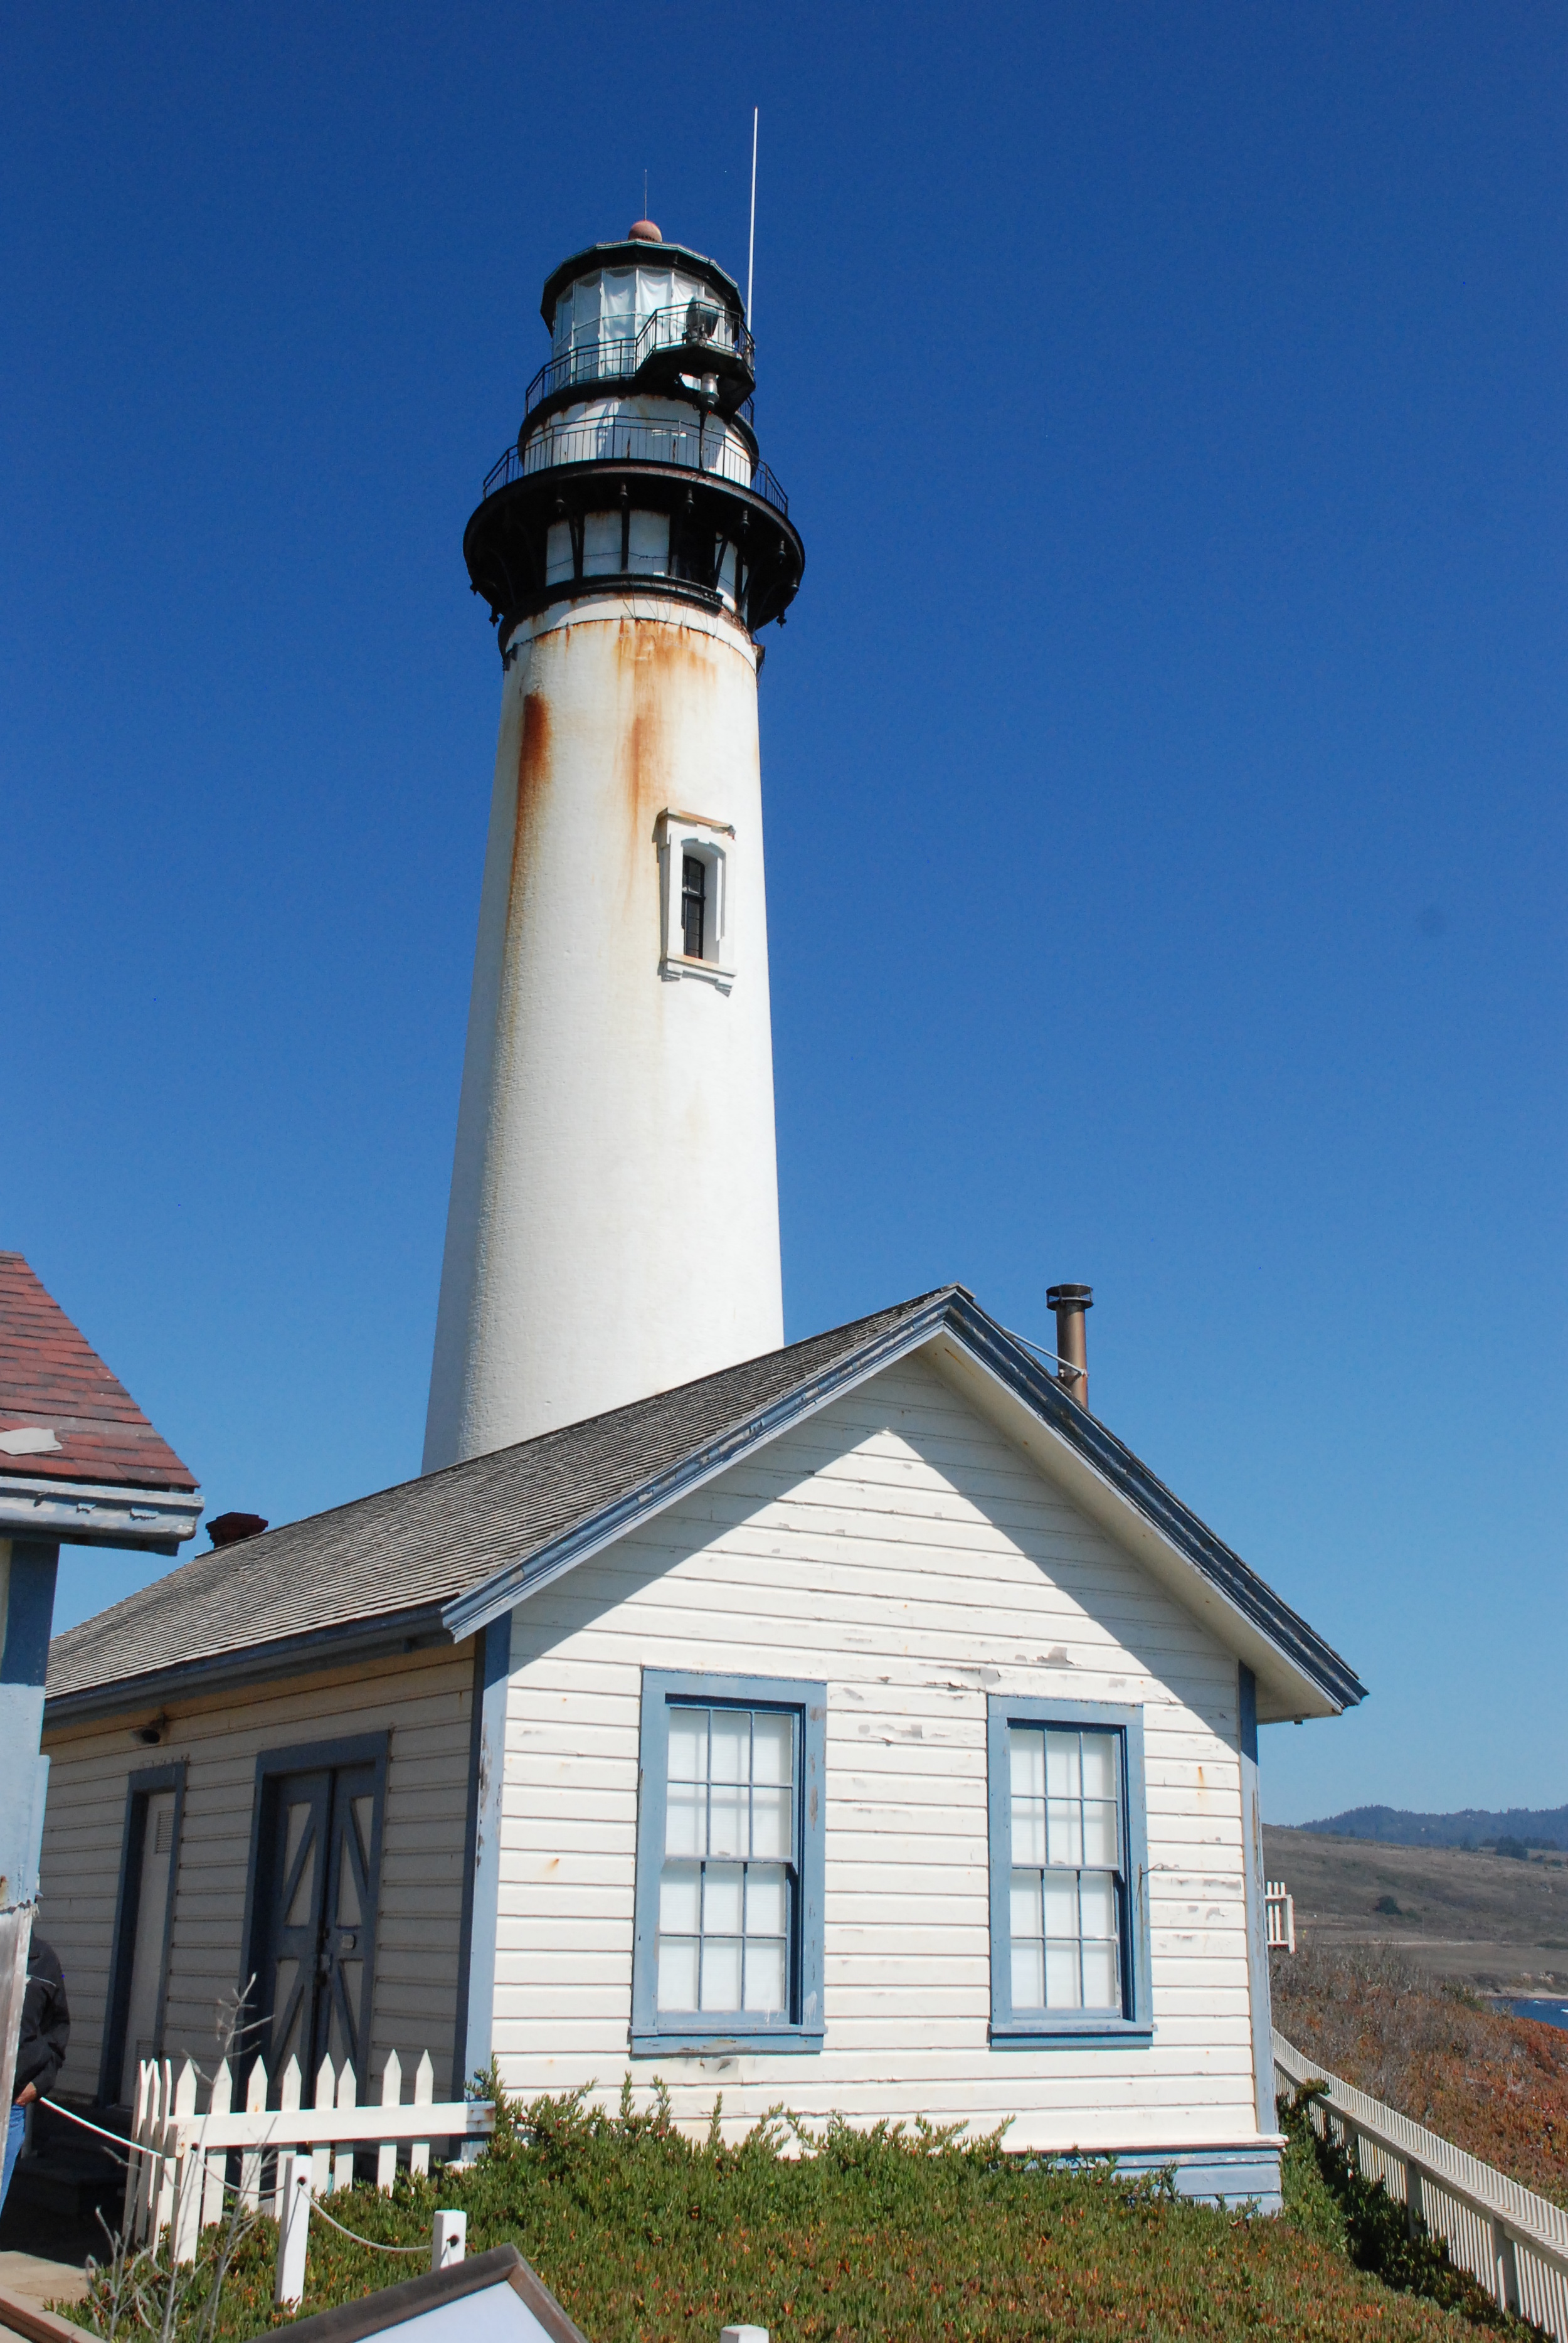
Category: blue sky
[1163,761]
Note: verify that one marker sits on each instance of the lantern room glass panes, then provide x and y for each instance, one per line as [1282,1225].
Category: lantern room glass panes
[1067,1884]
[601,544]
[650,544]
[609,318]
[727,1885]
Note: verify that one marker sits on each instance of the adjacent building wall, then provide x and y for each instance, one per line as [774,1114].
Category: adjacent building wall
[424,1700]
[899,1547]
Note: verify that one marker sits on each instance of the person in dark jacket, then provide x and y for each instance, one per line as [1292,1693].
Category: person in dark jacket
[41,2049]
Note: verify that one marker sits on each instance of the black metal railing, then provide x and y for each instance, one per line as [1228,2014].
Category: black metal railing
[701,447]
[698,327]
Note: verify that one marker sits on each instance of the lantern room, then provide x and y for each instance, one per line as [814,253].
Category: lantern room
[638,459]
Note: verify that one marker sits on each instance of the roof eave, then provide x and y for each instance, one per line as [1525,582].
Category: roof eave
[1300,1674]
[468,1613]
[97,1513]
[394,1632]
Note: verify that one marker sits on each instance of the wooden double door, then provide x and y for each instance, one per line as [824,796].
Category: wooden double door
[313,1934]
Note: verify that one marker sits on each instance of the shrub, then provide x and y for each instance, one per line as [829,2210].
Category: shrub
[824,2236]
[1377,2237]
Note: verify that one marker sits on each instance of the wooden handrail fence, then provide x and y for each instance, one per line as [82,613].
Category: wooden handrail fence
[1512,2242]
[181,2174]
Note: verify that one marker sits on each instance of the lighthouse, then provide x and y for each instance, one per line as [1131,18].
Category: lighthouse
[613,1228]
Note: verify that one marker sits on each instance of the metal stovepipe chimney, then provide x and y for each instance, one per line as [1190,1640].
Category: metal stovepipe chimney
[1069,1302]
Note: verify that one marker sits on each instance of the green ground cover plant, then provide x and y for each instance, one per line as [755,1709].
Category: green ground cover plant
[1329,2194]
[647,2237]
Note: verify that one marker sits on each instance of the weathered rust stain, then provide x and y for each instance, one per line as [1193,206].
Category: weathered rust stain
[667,673]
[665,669]
[533,777]
[664,679]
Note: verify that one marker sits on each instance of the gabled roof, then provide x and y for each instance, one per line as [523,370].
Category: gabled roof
[52,1383]
[435,1559]
[78,1459]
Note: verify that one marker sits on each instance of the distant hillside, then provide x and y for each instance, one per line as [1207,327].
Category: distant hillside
[1535,1825]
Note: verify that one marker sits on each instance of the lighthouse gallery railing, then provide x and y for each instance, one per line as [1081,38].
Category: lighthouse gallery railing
[605,440]
[700,327]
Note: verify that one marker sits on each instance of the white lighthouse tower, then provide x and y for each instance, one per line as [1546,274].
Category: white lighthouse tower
[614,1220]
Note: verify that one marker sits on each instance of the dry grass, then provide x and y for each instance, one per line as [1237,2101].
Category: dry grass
[1495,2085]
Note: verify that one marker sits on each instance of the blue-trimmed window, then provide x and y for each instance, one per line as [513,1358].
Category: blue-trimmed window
[728,1929]
[1068,1868]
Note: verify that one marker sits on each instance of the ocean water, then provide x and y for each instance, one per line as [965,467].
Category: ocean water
[1546,2013]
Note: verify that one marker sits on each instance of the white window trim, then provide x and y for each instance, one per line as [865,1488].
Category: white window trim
[713,843]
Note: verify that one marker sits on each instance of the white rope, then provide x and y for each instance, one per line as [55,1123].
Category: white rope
[131,2147]
[319,2213]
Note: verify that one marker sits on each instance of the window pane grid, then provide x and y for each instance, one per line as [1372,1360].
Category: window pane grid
[693,905]
[727,1885]
[1064,1890]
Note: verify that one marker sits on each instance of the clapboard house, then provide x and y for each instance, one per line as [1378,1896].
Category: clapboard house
[857,1723]
[863,1726]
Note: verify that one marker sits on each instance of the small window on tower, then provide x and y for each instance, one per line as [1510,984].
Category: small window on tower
[696,913]
[693,905]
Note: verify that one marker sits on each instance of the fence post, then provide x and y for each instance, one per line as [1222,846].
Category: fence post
[189,2179]
[1414,2202]
[250,2162]
[294,2229]
[321,2167]
[163,2138]
[287,2101]
[343,2162]
[189,2173]
[146,2167]
[391,2096]
[215,2163]
[424,2093]
[1505,2261]
[448,2240]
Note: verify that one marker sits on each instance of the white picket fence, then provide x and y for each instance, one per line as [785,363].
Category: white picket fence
[179,2178]
[1513,2242]
[1279,1907]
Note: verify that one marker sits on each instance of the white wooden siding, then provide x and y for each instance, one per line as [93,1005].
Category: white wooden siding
[425,1699]
[899,1547]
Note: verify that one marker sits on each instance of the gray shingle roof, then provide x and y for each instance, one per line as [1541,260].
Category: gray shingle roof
[408,1550]
[436,1558]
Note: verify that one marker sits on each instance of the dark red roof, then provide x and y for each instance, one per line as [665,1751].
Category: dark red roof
[52,1380]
